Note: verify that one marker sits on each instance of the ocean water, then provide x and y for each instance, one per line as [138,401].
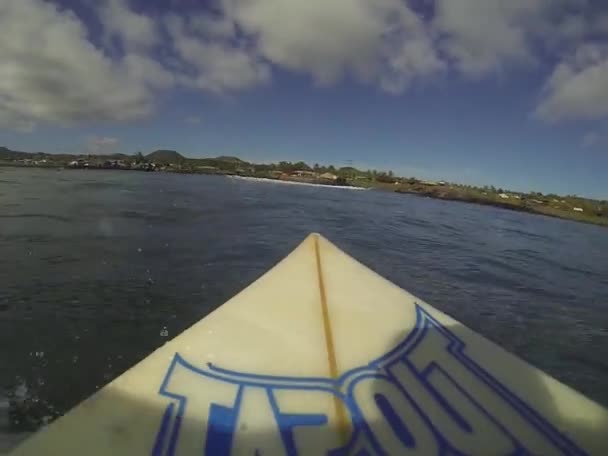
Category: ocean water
[95,265]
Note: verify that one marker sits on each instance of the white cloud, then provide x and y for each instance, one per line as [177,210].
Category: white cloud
[50,72]
[322,38]
[134,30]
[373,40]
[408,53]
[218,64]
[482,36]
[212,27]
[591,139]
[147,71]
[578,87]
[103,145]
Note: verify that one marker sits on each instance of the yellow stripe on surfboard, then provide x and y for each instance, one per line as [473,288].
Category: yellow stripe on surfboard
[329,340]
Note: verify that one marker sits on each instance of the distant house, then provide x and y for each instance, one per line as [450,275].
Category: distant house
[503,195]
[304,173]
[245,170]
[577,209]
[328,176]
[431,183]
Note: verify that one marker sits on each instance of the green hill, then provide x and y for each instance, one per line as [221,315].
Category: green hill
[229,159]
[165,156]
[7,154]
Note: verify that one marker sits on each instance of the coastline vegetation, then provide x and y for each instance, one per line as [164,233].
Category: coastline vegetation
[570,207]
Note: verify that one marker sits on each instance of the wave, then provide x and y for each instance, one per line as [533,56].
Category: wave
[57,218]
[96,185]
[527,234]
[59,259]
[172,215]
[277,181]
[500,265]
[543,259]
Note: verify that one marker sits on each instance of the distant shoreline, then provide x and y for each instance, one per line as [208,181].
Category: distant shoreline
[569,207]
[529,208]
[446,193]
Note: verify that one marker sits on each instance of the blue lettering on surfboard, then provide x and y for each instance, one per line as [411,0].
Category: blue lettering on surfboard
[404,402]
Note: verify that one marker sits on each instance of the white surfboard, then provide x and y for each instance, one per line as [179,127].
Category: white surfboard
[321,356]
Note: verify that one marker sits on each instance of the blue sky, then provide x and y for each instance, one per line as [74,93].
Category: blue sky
[513,94]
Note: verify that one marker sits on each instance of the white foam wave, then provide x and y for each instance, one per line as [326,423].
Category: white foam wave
[277,181]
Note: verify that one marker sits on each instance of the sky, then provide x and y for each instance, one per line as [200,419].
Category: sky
[511,93]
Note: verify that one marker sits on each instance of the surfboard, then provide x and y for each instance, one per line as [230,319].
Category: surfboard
[322,356]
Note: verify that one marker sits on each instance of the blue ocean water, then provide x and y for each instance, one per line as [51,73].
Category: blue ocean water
[95,265]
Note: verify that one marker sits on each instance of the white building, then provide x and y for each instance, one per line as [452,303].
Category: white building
[328,176]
